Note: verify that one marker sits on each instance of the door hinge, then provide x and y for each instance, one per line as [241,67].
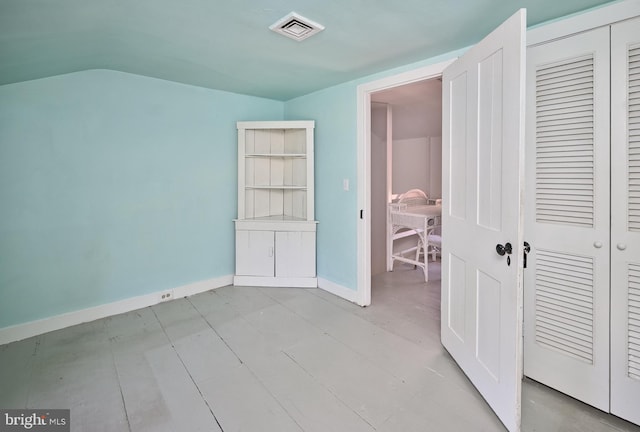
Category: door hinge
[361,214]
[527,249]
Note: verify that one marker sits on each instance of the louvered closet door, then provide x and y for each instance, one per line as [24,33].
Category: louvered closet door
[625,220]
[566,309]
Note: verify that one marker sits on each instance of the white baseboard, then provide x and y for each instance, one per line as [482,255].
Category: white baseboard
[339,290]
[33,328]
[202,286]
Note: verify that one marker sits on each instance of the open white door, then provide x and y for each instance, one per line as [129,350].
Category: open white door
[483,148]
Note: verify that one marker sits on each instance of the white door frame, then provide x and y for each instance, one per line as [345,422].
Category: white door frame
[363,294]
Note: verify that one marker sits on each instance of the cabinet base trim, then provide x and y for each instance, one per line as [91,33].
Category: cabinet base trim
[302,282]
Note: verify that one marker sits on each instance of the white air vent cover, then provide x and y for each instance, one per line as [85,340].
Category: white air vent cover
[296,27]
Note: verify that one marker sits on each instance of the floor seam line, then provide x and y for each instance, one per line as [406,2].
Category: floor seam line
[215,331]
[173,347]
[36,350]
[349,347]
[327,389]
[262,384]
[124,405]
[112,340]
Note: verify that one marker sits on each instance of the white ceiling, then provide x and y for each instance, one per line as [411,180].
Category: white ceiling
[227,44]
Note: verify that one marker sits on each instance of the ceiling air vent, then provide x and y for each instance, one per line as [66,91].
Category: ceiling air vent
[296,27]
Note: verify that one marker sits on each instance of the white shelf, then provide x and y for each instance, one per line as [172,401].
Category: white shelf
[277,218]
[276,155]
[287,124]
[276,187]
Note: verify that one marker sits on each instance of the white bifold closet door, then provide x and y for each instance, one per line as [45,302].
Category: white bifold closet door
[566,288]
[625,220]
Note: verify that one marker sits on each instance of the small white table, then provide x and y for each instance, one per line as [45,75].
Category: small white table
[411,220]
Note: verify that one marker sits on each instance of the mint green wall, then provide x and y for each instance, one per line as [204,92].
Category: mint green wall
[112,186]
[335,112]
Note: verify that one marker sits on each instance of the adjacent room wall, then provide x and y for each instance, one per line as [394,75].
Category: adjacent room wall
[410,164]
[417,163]
[417,128]
[114,185]
[435,164]
[378,188]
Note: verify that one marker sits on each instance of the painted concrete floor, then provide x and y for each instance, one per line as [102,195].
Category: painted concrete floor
[271,359]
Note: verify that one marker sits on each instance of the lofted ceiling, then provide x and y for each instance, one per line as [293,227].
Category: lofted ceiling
[227,44]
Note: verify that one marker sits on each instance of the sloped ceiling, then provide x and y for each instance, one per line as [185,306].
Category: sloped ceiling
[227,44]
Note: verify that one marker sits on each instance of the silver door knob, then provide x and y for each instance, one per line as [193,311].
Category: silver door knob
[597,245]
[621,246]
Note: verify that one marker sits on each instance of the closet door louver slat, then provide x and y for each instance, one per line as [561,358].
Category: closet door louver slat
[634,322]
[633,110]
[633,210]
[564,142]
[564,303]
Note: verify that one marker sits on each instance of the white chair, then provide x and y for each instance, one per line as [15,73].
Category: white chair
[434,243]
[433,239]
[413,197]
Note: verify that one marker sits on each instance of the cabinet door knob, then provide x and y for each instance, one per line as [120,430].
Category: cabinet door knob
[621,246]
[597,245]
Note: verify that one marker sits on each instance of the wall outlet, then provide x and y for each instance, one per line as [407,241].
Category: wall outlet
[166,296]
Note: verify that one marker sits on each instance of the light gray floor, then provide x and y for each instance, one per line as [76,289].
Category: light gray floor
[271,359]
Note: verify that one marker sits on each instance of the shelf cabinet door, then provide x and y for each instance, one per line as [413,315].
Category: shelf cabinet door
[255,253]
[295,254]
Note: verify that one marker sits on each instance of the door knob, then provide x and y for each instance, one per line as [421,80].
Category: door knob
[597,245]
[506,249]
[621,246]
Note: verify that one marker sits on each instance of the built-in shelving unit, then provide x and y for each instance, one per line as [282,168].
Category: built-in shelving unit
[275,229]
